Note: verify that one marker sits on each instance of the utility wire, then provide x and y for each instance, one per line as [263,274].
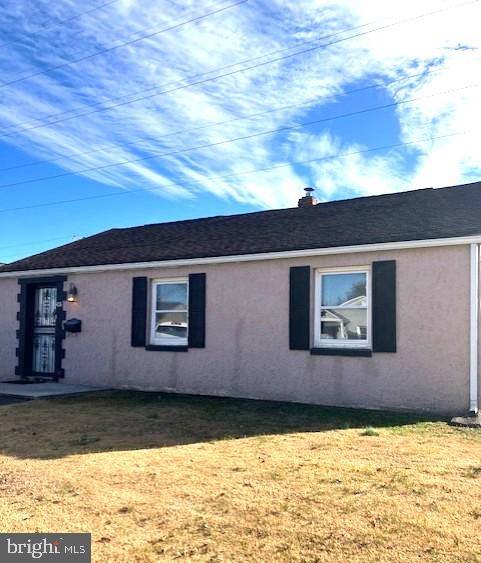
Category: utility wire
[236,174]
[4,257]
[224,67]
[126,43]
[68,238]
[198,75]
[232,140]
[218,123]
[279,166]
[37,241]
[231,73]
[61,22]
[341,155]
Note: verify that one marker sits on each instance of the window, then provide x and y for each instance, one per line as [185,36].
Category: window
[342,308]
[169,312]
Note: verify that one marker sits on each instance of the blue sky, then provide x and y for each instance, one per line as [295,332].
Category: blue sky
[366,55]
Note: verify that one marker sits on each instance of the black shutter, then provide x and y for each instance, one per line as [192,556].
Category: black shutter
[299,307]
[139,310]
[384,306]
[197,310]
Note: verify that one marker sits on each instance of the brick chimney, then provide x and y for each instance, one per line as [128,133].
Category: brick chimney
[308,199]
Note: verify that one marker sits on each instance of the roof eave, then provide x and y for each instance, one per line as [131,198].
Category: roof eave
[399,245]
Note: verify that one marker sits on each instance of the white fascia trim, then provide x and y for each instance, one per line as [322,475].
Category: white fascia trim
[402,245]
[473,329]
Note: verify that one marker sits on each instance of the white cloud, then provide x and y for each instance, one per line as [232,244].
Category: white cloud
[450,41]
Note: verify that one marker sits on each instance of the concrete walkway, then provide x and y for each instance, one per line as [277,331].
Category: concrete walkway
[42,390]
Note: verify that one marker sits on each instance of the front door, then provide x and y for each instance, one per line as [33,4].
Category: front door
[43,339]
[40,333]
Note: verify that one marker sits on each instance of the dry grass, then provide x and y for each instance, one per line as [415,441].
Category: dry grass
[165,478]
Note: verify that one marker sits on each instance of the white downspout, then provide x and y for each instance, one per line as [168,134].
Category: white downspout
[473,329]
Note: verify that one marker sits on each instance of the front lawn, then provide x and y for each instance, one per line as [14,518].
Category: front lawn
[158,477]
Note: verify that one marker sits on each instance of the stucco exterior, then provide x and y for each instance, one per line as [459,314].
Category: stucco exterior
[247,346]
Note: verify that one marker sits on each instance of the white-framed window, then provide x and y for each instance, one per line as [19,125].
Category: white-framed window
[169,312]
[343,308]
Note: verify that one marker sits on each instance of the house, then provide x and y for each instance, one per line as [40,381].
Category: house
[369,302]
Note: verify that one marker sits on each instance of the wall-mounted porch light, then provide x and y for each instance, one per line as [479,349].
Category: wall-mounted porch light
[72,294]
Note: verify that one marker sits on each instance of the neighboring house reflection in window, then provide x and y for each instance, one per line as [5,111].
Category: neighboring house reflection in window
[342,308]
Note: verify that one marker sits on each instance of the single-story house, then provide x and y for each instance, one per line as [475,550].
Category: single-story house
[368,302]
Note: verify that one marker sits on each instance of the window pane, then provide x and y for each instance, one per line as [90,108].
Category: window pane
[171,296]
[171,326]
[344,324]
[344,290]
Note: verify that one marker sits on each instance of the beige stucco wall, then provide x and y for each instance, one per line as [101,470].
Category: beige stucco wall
[247,349]
[9,289]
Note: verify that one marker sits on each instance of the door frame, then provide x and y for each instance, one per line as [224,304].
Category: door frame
[26,299]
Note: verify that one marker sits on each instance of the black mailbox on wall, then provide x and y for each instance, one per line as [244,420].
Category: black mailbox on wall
[73,325]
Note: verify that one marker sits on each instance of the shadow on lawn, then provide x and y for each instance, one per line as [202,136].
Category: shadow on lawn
[131,420]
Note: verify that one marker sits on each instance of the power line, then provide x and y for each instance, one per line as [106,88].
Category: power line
[227,141]
[236,174]
[126,43]
[216,124]
[334,157]
[224,75]
[37,241]
[68,238]
[3,257]
[399,22]
[198,75]
[247,172]
[61,22]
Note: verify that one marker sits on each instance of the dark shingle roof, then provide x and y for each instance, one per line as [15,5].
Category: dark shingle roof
[412,215]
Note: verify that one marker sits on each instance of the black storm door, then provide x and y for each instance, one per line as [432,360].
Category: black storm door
[43,339]
[40,332]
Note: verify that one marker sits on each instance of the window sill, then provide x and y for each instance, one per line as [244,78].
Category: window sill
[166,348]
[362,352]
